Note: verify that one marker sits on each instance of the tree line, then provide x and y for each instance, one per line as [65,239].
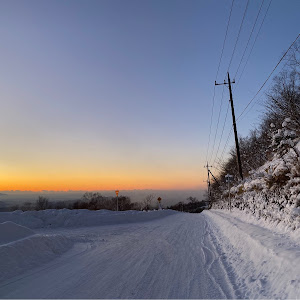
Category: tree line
[89,200]
[193,205]
[96,201]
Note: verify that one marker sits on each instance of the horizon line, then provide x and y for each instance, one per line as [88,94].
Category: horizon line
[107,190]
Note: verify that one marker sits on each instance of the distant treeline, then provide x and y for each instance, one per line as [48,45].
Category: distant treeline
[192,206]
[90,200]
[96,201]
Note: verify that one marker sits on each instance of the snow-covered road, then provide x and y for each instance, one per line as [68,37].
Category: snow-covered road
[172,257]
[159,254]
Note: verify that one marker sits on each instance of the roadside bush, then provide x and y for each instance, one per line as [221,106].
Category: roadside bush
[42,203]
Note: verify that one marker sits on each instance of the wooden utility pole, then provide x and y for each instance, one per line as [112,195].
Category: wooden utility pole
[228,179]
[208,183]
[234,126]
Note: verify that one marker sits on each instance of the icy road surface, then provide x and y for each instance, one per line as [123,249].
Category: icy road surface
[170,257]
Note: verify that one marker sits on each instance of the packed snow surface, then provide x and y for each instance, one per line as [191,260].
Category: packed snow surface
[160,254]
[265,258]
[52,218]
[24,254]
[10,231]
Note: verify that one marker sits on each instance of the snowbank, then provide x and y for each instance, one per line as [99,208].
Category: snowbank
[265,262]
[21,249]
[277,227]
[22,255]
[272,192]
[53,218]
[10,231]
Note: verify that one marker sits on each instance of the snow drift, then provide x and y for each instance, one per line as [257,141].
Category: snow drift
[21,249]
[272,192]
[52,218]
[10,231]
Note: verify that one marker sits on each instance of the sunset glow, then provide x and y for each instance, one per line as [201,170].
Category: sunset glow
[118,94]
[59,181]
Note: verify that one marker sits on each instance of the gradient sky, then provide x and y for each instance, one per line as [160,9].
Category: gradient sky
[118,94]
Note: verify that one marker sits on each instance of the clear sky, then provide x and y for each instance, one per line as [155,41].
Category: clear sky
[118,93]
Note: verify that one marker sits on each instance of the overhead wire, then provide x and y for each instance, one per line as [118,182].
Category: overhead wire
[211,117]
[216,155]
[255,102]
[264,83]
[226,144]
[238,118]
[258,32]
[226,33]
[214,93]
[237,39]
[238,36]
[252,30]
[221,102]
[233,52]
[283,56]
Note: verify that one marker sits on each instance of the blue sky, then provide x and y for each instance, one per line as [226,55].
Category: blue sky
[97,94]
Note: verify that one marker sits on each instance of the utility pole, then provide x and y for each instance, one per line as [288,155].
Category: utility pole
[216,180]
[234,125]
[208,183]
[228,179]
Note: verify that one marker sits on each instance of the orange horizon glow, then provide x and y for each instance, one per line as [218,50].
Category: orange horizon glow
[50,176]
[90,187]
[62,182]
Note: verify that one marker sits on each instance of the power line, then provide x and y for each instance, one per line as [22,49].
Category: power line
[211,117]
[238,34]
[258,32]
[249,37]
[216,155]
[213,101]
[255,102]
[230,132]
[241,25]
[225,38]
[216,167]
[217,124]
[226,144]
[283,56]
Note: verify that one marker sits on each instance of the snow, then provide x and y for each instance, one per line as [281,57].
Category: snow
[264,258]
[10,231]
[52,218]
[271,192]
[168,257]
[157,254]
[22,249]
[24,254]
